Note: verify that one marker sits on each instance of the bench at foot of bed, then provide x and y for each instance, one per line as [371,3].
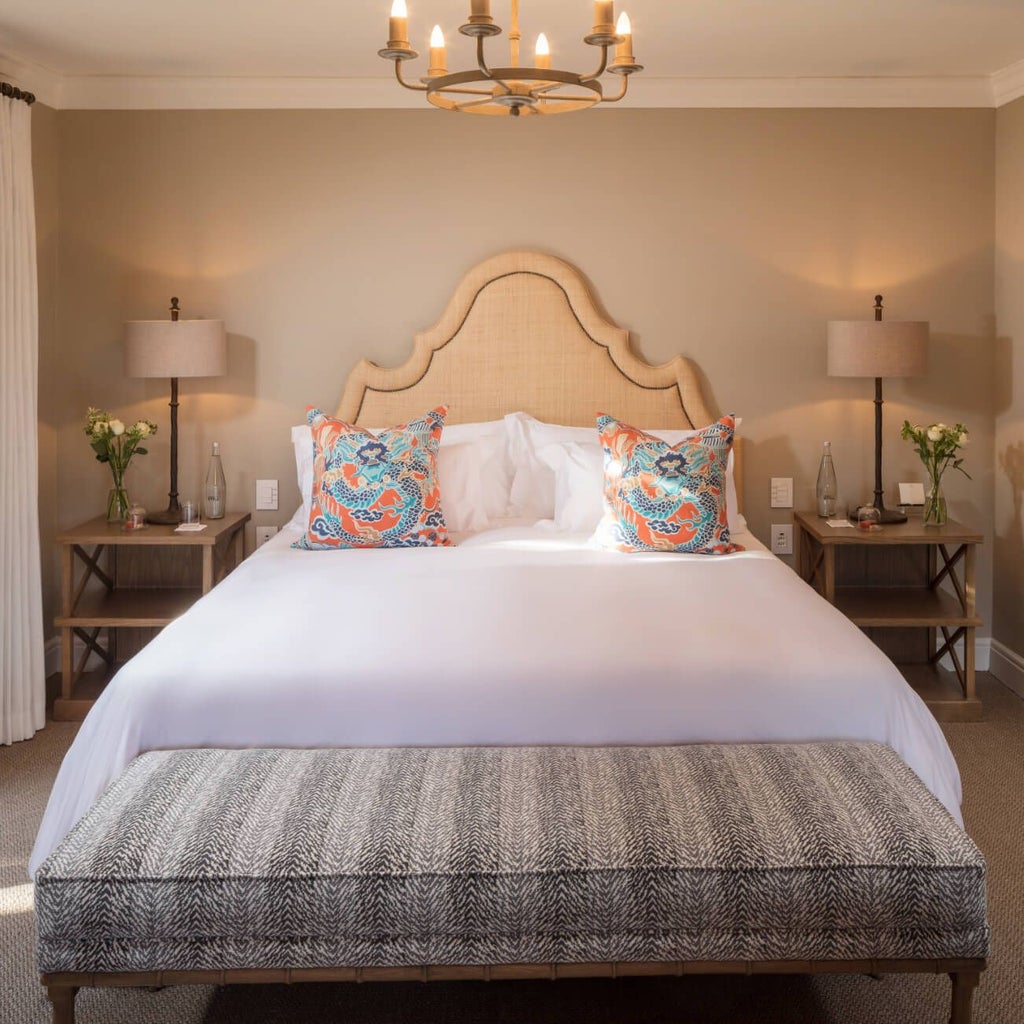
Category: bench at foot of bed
[284,866]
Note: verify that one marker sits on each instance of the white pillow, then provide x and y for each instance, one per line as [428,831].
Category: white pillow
[559,472]
[473,468]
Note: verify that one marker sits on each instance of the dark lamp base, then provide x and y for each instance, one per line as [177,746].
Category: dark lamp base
[169,517]
[891,515]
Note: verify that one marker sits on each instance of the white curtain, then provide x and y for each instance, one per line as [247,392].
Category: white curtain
[22,675]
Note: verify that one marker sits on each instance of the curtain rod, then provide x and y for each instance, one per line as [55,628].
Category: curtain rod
[15,93]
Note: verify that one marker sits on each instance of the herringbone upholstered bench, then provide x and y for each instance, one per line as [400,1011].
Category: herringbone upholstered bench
[202,866]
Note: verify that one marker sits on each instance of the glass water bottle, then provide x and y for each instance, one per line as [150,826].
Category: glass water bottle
[827,489]
[215,489]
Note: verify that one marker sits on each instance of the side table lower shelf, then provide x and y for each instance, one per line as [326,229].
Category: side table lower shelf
[137,581]
[904,579]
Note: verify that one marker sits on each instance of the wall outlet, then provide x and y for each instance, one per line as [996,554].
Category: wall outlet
[782,492]
[266,495]
[782,538]
[263,534]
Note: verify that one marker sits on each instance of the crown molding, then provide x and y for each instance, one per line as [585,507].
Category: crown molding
[43,82]
[113,92]
[1008,84]
[170,93]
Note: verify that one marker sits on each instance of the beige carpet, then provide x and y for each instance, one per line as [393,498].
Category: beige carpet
[990,754]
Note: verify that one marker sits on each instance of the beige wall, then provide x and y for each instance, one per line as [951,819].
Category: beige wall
[1008,624]
[45,180]
[731,236]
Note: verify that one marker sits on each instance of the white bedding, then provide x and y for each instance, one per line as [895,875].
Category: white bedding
[516,636]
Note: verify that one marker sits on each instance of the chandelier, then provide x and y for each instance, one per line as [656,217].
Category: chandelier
[513,90]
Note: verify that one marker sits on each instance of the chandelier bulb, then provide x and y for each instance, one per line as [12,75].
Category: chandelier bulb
[398,9]
[542,52]
[624,49]
[437,36]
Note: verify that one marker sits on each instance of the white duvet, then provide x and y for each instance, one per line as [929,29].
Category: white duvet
[514,637]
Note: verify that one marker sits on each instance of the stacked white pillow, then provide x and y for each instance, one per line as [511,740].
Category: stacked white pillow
[514,470]
[559,472]
[473,468]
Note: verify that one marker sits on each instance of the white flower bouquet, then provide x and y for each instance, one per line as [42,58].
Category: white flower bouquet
[938,446]
[116,444]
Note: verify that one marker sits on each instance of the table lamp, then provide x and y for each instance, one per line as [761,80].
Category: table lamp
[174,348]
[878,348]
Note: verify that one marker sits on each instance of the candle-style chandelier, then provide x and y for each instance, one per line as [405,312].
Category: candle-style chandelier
[514,90]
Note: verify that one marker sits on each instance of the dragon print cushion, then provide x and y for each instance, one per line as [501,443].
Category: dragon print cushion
[663,497]
[375,490]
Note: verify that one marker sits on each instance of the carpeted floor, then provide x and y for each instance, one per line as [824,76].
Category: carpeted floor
[990,754]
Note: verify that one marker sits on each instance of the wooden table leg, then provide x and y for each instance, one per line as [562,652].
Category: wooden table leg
[207,569]
[63,999]
[830,573]
[964,984]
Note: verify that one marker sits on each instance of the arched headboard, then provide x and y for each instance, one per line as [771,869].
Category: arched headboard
[522,332]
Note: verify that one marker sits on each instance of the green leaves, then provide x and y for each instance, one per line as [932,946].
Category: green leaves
[937,445]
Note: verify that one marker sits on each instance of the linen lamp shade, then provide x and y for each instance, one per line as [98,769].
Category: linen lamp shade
[175,348]
[877,348]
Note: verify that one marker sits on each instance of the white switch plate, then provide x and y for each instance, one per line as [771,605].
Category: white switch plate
[263,534]
[266,495]
[782,538]
[782,492]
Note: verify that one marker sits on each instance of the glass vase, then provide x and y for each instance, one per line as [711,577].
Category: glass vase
[117,505]
[935,506]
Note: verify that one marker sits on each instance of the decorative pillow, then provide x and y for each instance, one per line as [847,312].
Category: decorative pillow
[375,491]
[663,497]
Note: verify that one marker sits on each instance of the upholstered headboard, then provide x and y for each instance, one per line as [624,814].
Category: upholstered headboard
[522,331]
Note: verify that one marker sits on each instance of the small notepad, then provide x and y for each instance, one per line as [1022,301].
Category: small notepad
[839,523]
[190,527]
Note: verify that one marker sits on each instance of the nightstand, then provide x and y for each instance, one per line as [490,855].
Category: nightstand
[893,580]
[130,580]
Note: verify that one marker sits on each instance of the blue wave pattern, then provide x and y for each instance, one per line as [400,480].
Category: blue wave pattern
[375,491]
[660,497]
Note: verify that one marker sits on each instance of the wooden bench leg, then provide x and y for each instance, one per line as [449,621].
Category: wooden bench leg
[63,999]
[964,984]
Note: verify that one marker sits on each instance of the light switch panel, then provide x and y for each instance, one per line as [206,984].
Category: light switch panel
[266,495]
[782,492]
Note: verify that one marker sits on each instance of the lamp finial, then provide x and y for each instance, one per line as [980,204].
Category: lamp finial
[878,307]
[175,310]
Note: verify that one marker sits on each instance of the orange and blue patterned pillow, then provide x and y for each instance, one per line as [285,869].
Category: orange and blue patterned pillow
[663,497]
[375,490]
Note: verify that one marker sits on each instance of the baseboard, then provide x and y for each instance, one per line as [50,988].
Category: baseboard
[52,655]
[1008,667]
[982,654]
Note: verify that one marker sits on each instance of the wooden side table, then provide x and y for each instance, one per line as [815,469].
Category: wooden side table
[111,594]
[904,601]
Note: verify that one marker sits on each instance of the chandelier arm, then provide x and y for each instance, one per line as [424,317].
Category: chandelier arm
[474,103]
[569,99]
[403,82]
[466,92]
[481,63]
[622,92]
[601,68]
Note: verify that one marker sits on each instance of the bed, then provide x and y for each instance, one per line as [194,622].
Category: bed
[518,634]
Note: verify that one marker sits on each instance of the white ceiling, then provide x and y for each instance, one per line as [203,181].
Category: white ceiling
[940,41]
